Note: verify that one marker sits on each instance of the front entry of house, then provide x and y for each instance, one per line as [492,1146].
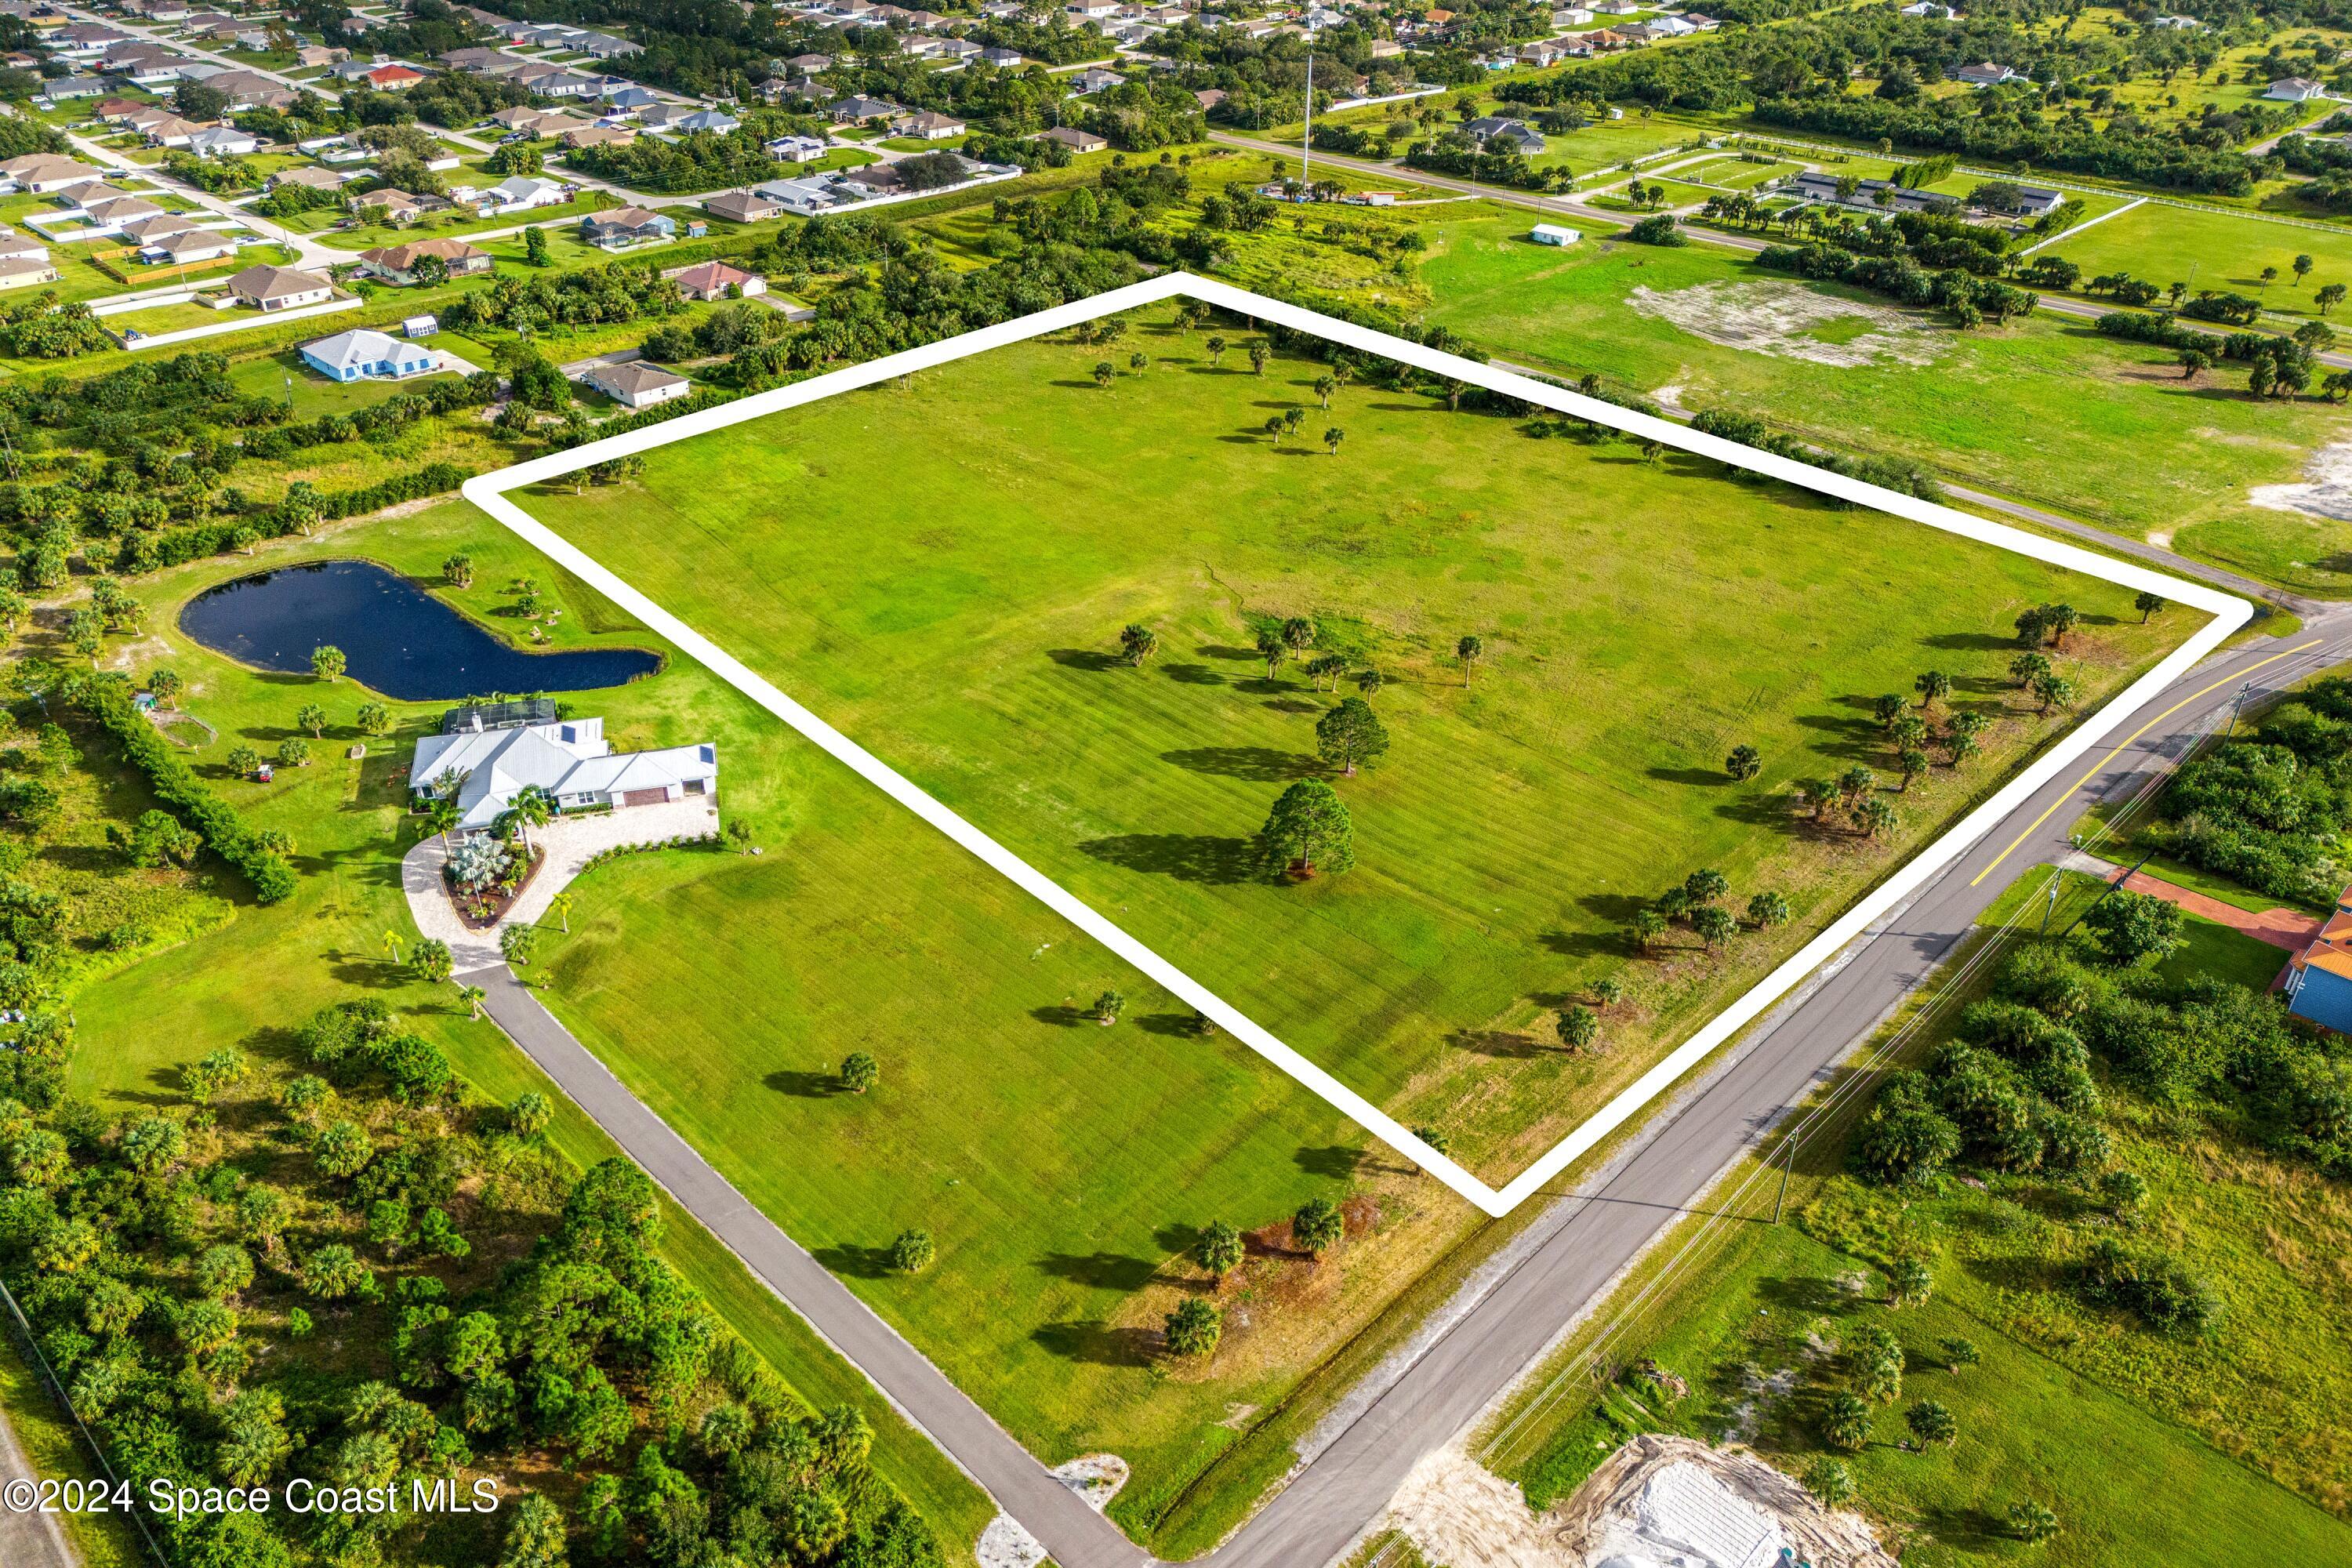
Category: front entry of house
[644,796]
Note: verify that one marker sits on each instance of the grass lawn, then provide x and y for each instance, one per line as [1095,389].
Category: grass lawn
[2163,245]
[267,968]
[1427,977]
[1059,1165]
[2039,410]
[2148,1448]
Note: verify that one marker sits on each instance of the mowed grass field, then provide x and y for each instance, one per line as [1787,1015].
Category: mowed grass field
[2164,245]
[2044,410]
[942,569]
[1061,1167]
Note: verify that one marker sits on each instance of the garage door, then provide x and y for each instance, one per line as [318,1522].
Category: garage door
[644,796]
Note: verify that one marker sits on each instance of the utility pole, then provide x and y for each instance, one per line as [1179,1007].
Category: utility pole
[2236,703]
[1307,132]
[1787,1163]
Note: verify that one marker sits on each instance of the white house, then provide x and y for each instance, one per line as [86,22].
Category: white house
[637,384]
[2295,89]
[1554,234]
[362,355]
[568,758]
[797,149]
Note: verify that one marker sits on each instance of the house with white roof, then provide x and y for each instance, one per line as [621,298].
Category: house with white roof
[362,355]
[486,768]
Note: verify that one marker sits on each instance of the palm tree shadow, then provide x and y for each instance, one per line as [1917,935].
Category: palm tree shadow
[1258,765]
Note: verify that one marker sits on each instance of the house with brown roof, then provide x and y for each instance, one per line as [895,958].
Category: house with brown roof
[392,78]
[1075,140]
[279,288]
[397,264]
[308,177]
[927,125]
[741,207]
[712,279]
[389,206]
[188,248]
[22,271]
[42,173]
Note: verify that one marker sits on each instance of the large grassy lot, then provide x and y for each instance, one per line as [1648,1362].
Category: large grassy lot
[942,569]
[1062,1168]
[2044,410]
[2162,244]
[2148,1447]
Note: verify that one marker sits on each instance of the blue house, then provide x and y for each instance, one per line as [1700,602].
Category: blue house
[2319,978]
[363,355]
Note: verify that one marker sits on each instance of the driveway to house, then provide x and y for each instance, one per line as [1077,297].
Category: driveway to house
[569,843]
[2282,928]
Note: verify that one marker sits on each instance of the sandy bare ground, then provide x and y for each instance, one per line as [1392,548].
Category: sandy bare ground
[2324,489]
[1657,1502]
[1778,319]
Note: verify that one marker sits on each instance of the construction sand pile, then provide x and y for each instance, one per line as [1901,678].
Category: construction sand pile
[1786,320]
[1657,1502]
[2325,491]
[1673,1502]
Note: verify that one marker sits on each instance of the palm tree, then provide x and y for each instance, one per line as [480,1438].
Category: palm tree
[392,943]
[443,818]
[471,995]
[1467,650]
[533,807]
[560,907]
[1325,385]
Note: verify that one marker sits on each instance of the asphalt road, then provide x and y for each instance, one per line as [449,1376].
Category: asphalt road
[28,1540]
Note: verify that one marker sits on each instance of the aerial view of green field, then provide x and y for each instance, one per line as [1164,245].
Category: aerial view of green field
[1430,975]
[2033,410]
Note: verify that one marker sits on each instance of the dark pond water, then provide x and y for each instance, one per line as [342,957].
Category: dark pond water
[396,638]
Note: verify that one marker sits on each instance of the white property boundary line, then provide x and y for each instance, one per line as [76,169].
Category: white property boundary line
[490,492]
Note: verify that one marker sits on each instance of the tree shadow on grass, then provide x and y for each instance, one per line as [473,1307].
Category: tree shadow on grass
[1700,777]
[1969,642]
[857,1262]
[1858,740]
[1502,1044]
[1172,1025]
[1334,1162]
[1808,1294]
[1226,651]
[1258,765]
[1294,705]
[1098,1343]
[1186,857]
[1061,1017]
[1100,1270]
[804,1085]
[1085,659]
[1194,674]
[373,973]
[1968,1528]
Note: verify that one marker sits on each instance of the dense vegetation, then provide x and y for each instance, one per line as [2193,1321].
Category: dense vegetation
[2270,811]
[188,1268]
[2066,116]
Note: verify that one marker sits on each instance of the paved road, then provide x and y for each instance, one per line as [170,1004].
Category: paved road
[28,1540]
[1075,1535]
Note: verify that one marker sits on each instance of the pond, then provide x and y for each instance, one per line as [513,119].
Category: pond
[396,638]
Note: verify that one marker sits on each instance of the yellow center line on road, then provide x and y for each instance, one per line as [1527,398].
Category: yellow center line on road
[2125,744]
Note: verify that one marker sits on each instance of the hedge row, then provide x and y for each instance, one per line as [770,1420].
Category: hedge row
[178,546]
[177,786]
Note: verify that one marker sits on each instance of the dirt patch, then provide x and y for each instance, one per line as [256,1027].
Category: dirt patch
[1790,321]
[1657,1502]
[2325,491]
[1095,1478]
[1661,1501]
